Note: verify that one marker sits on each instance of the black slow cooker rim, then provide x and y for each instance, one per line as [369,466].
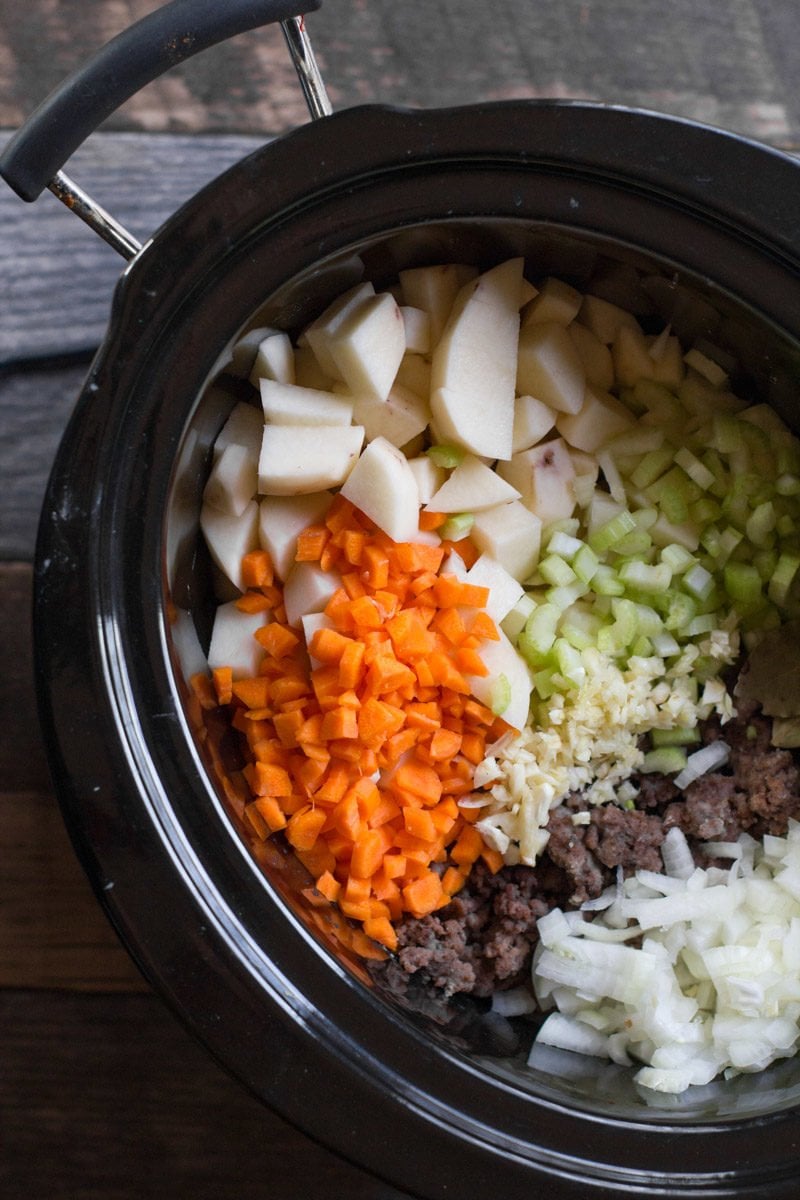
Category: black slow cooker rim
[71,507]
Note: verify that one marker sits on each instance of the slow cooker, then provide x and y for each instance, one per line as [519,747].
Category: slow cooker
[675,220]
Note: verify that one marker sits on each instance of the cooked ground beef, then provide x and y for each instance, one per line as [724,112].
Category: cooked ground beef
[484,939]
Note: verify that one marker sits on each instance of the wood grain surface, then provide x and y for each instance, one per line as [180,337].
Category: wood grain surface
[102,1093]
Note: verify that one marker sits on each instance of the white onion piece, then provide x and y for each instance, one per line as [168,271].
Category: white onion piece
[516,1002]
[677,856]
[706,759]
[713,988]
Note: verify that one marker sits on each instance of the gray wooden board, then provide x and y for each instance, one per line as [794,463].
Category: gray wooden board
[734,63]
[57,275]
[164,1124]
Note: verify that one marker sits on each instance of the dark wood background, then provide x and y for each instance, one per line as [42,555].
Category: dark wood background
[102,1093]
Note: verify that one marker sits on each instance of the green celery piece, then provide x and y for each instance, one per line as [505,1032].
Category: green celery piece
[783,578]
[556,571]
[446,455]
[675,737]
[743,584]
[665,760]
[456,527]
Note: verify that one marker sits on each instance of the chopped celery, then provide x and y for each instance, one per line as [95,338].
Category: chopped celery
[636,543]
[561,596]
[556,571]
[677,558]
[783,578]
[611,532]
[539,633]
[570,663]
[500,695]
[457,526]
[446,455]
[544,682]
[652,466]
[585,563]
[698,581]
[564,545]
[694,468]
[644,576]
[606,582]
[761,523]
[580,627]
[742,583]
[664,760]
[675,737]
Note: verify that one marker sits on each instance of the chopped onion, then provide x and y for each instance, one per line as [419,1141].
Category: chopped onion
[706,759]
[677,856]
[712,987]
[515,1002]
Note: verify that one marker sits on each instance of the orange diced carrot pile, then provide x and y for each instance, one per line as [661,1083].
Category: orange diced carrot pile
[360,754]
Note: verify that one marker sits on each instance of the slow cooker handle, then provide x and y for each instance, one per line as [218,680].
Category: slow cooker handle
[33,158]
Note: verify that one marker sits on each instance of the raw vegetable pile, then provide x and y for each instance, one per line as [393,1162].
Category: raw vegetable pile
[485,545]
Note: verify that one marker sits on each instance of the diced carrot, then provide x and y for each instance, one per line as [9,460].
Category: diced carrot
[375,566]
[473,747]
[410,637]
[423,895]
[270,809]
[444,744]
[468,847]
[389,694]
[431,520]
[304,828]
[327,645]
[286,727]
[368,851]
[253,602]
[340,722]
[223,684]
[272,780]
[311,542]
[203,689]
[419,823]
[253,693]
[420,780]
[329,886]
[493,859]
[381,930]
[452,881]
[257,569]
[277,639]
[364,613]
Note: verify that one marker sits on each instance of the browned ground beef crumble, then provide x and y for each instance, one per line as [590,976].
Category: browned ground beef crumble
[483,940]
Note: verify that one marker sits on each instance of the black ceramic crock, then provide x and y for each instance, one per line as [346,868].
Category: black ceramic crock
[680,222]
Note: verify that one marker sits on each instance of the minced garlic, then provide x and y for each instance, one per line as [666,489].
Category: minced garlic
[587,739]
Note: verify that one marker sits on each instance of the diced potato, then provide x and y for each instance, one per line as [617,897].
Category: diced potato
[233,480]
[383,486]
[274,359]
[511,534]
[399,418]
[233,642]
[229,537]
[281,519]
[556,301]
[471,487]
[298,459]
[550,368]
[289,404]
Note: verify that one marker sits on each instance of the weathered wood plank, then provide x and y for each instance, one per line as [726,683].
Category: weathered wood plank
[53,933]
[58,276]
[104,1098]
[736,64]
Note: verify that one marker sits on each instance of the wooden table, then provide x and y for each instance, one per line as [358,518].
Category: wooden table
[102,1094]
